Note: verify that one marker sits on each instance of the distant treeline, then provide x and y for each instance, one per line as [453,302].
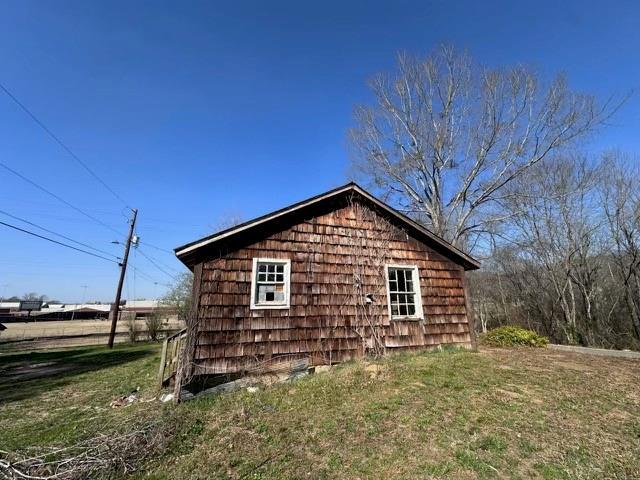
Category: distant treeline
[567,264]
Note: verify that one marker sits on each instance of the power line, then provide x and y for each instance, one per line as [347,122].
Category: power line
[158,248]
[128,275]
[60,199]
[135,251]
[54,233]
[149,277]
[145,275]
[158,266]
[61,143]
[169,267]
[56,241]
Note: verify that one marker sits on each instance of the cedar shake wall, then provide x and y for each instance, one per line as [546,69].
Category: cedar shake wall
[328,320]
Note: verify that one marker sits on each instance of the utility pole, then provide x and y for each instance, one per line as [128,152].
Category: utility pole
[84,293]
[115,308]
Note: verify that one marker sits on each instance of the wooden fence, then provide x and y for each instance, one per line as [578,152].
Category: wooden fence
[171,348]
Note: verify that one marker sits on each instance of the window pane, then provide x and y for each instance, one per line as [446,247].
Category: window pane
[394,298]
[279,277]
[262,277]
[393,286]
[394,309]
[271,267]
[270,292]
[262,267]
[411,309]
[271,277]
[280,268]
[266,293]
[409,285]
[403,309]
[401,283]
[410,298]
[392,274]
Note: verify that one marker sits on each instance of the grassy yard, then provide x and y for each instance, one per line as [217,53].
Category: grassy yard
[63,396]
[494,414]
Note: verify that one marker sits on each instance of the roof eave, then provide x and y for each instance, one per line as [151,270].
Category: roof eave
[189,247]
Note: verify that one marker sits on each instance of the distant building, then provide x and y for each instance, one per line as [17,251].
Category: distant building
[7,309]
[10,311]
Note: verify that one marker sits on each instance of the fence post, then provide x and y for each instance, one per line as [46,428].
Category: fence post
[163,359]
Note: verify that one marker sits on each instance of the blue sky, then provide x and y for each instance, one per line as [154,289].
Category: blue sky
[197,111]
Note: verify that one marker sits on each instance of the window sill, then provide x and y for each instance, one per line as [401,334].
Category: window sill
[409,319]
[270,307]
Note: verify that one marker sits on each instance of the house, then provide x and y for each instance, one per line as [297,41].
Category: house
[334,277]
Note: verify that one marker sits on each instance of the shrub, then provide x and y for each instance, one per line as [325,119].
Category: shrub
[510,336]
[154,325]
[132,327]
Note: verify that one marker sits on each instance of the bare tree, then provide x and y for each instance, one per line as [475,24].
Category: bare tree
[34,296]
[228,219]
[555,228]
[570,264]
[620,192]
[446,136]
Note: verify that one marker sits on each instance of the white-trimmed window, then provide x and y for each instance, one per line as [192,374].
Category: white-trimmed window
[270,282]
[403,292]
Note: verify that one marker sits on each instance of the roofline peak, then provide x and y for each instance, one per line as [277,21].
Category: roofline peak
[467,261]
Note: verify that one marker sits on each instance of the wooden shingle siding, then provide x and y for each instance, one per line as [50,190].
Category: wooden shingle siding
[325,321]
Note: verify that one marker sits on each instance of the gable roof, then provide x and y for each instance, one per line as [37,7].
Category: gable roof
[191,252]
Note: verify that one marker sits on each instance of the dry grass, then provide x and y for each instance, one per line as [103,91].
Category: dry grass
[461,415]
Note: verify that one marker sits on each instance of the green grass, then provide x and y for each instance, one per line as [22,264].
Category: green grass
[496,414]
[63,396]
